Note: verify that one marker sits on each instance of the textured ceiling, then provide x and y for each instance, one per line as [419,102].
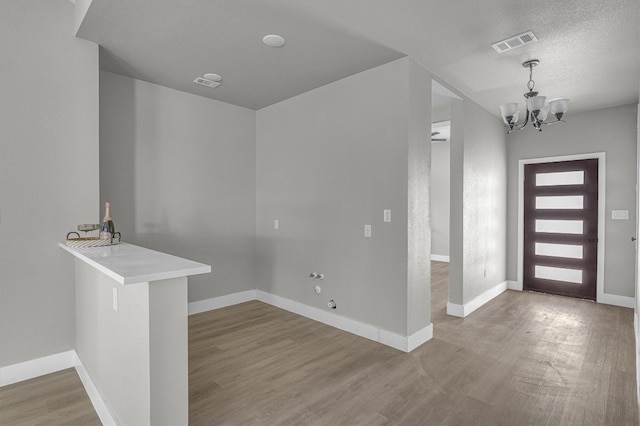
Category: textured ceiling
[589,49]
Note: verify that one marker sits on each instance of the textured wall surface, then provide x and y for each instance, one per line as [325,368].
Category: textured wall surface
[478,202]
[48,172]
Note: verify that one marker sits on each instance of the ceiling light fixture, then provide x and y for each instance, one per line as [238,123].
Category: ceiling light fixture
[273,40]
[213,77]
[537,111]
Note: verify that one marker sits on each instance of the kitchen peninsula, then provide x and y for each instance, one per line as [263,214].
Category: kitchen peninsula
[132,330]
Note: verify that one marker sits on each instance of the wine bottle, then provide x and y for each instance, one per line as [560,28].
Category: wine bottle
[107,229]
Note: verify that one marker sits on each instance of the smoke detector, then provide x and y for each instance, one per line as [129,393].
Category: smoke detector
[273,40]
[514,42]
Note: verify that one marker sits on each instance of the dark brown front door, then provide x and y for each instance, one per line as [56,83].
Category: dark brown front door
[561,228]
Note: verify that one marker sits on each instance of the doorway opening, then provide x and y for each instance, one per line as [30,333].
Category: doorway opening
[561,228]
[441,102]
[561,225]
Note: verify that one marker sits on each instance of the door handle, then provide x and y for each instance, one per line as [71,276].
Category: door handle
[633,239]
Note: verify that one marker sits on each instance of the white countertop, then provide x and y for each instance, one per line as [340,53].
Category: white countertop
[129,264]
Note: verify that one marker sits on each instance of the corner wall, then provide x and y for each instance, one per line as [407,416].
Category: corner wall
[330,161]
[48,172]
[478,205]
[179,171]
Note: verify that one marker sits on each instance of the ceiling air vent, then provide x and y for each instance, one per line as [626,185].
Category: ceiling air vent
[206,82]
[513,42]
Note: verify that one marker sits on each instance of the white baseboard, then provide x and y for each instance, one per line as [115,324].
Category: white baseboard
[464,310]
[96,400]
[419,337]
[614,299]
[221,302]
[388,338]
[513,285]
[368,331]
[440,258]
[636,328]
[50,364]
[37,367]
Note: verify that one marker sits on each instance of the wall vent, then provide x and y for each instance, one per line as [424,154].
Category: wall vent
[205,82]
[513,42]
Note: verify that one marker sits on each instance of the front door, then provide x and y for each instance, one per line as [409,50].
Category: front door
[561,228]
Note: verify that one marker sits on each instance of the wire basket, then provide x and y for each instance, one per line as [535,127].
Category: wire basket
[80,242]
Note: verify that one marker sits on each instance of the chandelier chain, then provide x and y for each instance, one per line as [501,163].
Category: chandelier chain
[531,84]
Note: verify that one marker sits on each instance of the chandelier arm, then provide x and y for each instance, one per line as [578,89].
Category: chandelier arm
[549,123]
[520,127]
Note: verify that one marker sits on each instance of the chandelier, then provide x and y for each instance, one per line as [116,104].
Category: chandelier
[537,110]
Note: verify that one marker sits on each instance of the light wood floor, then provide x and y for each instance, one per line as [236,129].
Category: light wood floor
[54,399]
[522,359]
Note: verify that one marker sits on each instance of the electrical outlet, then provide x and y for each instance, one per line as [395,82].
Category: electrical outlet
[276,224]
[367,231]
[387,215]
[115,299]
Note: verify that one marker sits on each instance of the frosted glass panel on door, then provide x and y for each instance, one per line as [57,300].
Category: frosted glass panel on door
[559,250]
[559,274]
[559,226]
[571,202]
[560,178]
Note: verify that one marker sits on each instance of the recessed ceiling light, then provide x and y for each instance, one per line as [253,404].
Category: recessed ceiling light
[213,77]
[273,40]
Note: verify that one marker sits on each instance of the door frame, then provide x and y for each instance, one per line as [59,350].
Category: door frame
[601,157]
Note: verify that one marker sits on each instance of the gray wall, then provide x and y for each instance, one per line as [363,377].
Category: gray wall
[478,202]
[440,189]
[330,161]
[638,235]
[613,131]
[179,170]
[48,172]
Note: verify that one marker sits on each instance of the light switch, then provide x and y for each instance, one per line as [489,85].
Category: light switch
[387,215]
[276,224]
[367,231]
[620,214]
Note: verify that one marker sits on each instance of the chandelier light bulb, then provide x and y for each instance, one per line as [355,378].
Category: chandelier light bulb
[544,112]
[509,110]
[559,105]
[536,103]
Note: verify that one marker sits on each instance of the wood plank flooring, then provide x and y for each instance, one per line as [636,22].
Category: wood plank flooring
[55,399]
[522,359]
